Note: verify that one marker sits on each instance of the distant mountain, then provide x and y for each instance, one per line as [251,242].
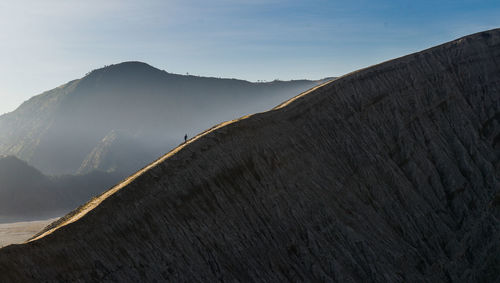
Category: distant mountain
[67,129]
[388,174]
[27,194]
[120,152]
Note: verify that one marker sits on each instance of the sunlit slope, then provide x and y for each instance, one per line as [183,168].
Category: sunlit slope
[387,174]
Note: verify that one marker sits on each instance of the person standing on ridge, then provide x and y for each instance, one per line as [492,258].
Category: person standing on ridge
[185,138]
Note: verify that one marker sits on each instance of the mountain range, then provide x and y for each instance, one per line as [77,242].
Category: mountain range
[387,174]
[121,117]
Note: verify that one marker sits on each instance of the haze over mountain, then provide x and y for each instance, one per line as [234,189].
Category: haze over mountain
[27,194]
[388,174]
[121,117]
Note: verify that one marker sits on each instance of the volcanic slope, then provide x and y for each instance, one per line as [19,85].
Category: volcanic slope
[387,174]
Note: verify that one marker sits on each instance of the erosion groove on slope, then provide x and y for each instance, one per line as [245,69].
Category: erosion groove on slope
[389,174]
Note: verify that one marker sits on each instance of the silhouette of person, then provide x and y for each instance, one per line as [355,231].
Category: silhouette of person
[185,137]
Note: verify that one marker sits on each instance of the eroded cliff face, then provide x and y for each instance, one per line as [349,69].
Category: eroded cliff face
[386,174]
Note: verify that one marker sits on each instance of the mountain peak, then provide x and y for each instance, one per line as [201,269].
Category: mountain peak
[128,67]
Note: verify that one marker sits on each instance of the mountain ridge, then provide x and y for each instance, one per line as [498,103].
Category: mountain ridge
[386,175]
[223,124]
[149,67]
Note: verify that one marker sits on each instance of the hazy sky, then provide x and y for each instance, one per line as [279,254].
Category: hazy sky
[46,43]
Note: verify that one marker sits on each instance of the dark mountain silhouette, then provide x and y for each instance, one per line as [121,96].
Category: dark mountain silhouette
[60,131]
[27,194]
[388,174]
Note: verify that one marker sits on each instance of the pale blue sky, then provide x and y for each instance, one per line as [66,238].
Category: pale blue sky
[46,43]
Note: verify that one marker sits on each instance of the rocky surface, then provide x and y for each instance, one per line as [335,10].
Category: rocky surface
[388,174]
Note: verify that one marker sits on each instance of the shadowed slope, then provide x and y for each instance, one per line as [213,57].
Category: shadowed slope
[386,174]
[27,194]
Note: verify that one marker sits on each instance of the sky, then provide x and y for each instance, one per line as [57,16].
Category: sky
[44,44]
